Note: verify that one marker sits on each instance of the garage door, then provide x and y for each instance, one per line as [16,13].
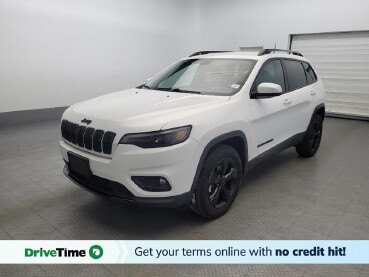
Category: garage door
[342,61]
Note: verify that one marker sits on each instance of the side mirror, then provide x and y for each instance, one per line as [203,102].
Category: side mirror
[269,89]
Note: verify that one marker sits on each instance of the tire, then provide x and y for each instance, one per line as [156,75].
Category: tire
[218,183]
[310,145]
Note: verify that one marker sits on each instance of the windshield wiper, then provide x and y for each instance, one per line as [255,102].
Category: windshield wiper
[144,86]
[174,90]
[184,91]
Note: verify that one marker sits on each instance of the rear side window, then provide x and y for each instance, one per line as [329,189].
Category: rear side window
[295,74]
[270,72]
[310,74]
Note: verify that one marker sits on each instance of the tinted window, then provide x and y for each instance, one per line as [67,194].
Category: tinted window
[310,74]
[295,74]
[270,72]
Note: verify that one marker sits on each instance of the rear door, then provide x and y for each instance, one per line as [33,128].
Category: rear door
[300,95]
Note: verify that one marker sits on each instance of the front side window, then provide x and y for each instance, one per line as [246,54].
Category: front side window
[204,76]
[295,74]
[270,72]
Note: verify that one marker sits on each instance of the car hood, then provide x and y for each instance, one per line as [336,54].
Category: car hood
[141,109]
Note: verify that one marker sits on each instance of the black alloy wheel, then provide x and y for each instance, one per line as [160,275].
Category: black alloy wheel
[223,183]
[316,135]
[218,183]
[311,142]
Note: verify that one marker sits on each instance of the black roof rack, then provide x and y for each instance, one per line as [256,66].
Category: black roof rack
[268,51]
[206,52]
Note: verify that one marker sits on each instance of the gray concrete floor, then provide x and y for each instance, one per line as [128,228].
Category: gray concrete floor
[286,197]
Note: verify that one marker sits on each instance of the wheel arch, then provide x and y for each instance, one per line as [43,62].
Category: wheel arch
[320,110]
[236,139]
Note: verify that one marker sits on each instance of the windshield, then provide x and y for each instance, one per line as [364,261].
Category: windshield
[205,76]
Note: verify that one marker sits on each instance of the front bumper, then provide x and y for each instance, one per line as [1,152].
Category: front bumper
[105,188]
[112,175]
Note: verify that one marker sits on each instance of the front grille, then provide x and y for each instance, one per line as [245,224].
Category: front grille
[97,139]
[89,138]
[80,135]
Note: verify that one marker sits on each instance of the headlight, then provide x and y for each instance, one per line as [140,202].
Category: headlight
[159,138]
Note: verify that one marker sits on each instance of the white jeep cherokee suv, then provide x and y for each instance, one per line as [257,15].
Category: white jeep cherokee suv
[187,135]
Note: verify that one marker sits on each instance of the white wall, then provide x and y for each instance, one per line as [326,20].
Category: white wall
[54,53]
[229,24]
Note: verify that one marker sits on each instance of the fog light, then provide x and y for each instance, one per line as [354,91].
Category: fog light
[152,183]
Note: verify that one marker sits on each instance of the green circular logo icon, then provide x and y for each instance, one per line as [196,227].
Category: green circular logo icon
[96,252]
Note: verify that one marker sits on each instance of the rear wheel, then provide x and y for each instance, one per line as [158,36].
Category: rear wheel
[218,182]
[310,145]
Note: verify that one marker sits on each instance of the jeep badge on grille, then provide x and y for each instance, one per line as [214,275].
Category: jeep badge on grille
[87,121]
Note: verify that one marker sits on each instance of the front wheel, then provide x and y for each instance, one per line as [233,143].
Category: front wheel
[310,145]
[218,182]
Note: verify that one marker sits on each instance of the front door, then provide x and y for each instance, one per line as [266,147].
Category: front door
[272,118]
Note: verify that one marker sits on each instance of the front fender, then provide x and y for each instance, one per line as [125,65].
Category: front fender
[216,140]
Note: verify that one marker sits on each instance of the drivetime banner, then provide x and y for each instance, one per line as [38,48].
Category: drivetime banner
[184,252]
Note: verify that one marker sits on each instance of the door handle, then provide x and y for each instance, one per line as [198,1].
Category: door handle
[312,92]
[287,101]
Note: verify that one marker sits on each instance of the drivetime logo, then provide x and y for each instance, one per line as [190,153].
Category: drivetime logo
[95,252]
